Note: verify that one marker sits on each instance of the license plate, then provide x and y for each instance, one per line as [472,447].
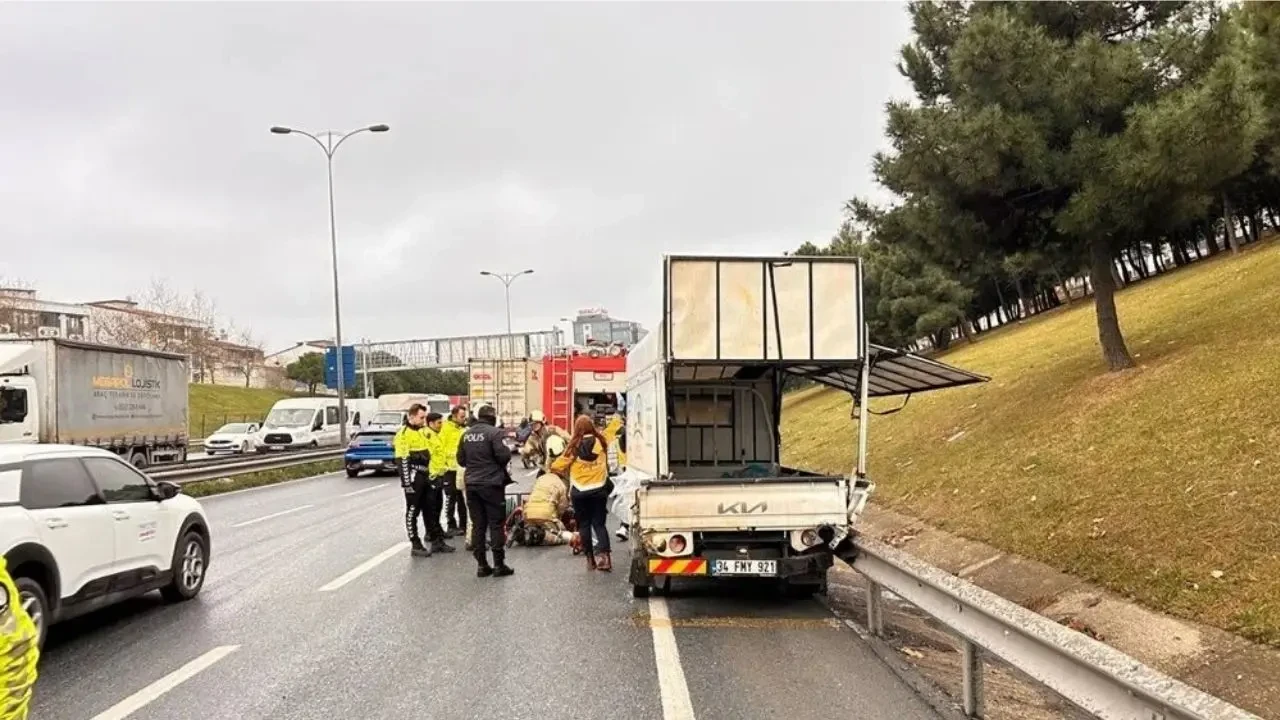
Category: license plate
[275,447]
[372,463]
[745,567]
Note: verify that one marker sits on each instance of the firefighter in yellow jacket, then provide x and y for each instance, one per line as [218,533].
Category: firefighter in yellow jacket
[414,445]
[18,651]
[548,502]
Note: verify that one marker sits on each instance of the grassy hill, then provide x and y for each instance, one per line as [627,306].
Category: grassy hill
[214,405]
[1162,482]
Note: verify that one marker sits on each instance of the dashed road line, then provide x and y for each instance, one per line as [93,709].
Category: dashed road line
[364,490]
[364,567]
[272,516]
[155,690]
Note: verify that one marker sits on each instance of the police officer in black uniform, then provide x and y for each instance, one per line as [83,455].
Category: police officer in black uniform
[484,456]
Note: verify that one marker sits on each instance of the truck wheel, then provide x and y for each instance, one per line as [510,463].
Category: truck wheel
[640,591]
[139,461]
[190,561]
[33,599]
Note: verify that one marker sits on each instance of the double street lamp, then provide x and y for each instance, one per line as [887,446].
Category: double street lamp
[507,279]
[329,145]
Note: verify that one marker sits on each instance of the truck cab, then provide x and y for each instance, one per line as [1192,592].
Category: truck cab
[704,404]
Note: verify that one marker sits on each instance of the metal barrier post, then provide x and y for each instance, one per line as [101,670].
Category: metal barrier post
[875,609]
[971,661]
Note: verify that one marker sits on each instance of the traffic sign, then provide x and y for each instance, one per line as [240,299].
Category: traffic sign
[348,366]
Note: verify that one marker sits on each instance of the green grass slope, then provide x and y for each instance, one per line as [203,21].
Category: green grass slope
[1161,483]
[213,405]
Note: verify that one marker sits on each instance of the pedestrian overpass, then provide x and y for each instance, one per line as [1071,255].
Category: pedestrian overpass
[453,352]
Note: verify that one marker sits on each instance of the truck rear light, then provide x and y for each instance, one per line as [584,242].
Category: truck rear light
[809,537]
[677,544]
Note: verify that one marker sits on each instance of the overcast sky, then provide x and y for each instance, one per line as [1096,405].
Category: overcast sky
[581,140]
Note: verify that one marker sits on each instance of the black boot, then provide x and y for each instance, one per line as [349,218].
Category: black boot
[419,550]
[440,546]
[482,560]
[500,568]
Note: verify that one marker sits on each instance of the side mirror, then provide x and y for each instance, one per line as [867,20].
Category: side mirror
[168,490]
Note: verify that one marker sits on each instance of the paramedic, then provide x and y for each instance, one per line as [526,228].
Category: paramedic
[484,457]
[445,467]
[588,471]
[412,447]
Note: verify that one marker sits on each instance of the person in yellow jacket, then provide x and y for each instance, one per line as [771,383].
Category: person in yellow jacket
[19,653]
[415,444]
[547,503]
[444,465]
[585,464]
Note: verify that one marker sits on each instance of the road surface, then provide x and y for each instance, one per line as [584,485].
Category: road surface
[313,608]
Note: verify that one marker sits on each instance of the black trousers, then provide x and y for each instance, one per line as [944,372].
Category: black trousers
[488,512]
[592,511]
[455,511]
[423,498]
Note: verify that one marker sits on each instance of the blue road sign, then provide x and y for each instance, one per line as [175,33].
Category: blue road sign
[348,366]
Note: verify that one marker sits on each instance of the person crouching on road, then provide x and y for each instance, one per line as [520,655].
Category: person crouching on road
[412,447]
[444,465]
[548,502]
[484,457]
[588,470]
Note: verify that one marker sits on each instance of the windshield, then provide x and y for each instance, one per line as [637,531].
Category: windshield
[296,417]
[233,429]
[438,406]
[387,418]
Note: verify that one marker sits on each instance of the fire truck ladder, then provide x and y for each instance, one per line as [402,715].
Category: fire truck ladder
[561,409]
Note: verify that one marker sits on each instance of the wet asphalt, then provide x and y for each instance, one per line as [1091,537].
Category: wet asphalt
[426,638]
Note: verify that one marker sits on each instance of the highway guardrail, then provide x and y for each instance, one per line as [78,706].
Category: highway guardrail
[214,471]
[1095,677]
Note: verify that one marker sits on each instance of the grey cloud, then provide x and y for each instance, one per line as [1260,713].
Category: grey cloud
[583,140]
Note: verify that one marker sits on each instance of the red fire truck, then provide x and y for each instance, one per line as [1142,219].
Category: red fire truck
[583,381]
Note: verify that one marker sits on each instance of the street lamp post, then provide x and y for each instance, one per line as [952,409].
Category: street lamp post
[329,145]
[506,279]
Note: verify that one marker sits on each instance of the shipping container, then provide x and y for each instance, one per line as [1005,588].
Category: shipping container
[583,382]
[131,402]
[512,387]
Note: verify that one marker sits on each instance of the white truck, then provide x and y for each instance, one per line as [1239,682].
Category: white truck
[704,400]
[131,402]
[392,408]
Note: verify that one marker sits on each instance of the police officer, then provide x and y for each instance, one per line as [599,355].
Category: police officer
[19,650]
[444,466]
[484,457]
[413,446]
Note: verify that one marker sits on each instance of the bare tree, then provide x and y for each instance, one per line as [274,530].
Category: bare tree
[243,355]
[161,319]
[14,294]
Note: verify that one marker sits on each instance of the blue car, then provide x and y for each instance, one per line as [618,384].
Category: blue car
[371,450]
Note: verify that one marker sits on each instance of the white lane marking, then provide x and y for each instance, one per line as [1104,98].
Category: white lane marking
[271,516]
[971,569]
[365,490]
[676,703]
[152,692]
[213,498]
[365,567]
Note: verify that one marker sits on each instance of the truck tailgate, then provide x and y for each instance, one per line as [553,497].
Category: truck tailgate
[759,504]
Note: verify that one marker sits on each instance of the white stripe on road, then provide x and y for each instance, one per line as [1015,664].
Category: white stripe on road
[676,703]
[365,567]
[152,692]
[271,516]
[365,490]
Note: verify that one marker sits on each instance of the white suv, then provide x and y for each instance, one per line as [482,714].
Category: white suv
[81,529]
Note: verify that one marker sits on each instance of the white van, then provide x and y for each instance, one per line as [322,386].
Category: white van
[300,423]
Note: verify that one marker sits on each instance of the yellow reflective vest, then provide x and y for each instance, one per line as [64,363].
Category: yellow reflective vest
[446,460]
[18,652]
